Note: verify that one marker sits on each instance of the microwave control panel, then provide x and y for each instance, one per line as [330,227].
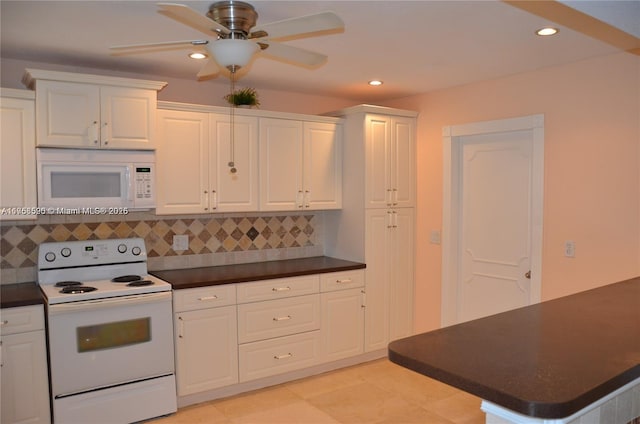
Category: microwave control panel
[144,185]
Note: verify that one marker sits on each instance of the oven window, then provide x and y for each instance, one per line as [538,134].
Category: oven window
[113,334]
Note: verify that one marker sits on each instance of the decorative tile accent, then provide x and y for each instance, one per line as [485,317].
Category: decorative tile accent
[19,241]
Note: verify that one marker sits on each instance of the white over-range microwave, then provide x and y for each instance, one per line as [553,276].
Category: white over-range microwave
[76,178]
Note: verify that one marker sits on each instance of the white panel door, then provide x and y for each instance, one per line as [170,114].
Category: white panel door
[322,180]
[234,192]
[377,172]
[378,271]
[403,162]
[182,162]
[342,324]
[492,218]
[128,118]
[280,164]
[68,114]
[17,157]
[495,215]
[206,349]
[401,282]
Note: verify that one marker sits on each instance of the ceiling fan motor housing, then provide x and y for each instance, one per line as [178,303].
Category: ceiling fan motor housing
[238,16]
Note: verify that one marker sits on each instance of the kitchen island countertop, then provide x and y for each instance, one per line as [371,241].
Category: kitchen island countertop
[254,271]
[20,294]
[548,360]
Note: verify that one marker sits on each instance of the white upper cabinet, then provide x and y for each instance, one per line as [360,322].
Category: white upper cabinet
[88,111]
[17,155]
[193,155]
[390,161]
[300,165]
[233,191]
[182,161]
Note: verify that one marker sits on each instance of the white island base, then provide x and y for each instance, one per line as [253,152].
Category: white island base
[618,407]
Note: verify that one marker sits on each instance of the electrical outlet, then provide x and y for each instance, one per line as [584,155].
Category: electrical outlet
[434,237]
[570,249]
[180,242]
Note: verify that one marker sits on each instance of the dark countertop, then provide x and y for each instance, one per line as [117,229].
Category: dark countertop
[225,274]
[547,360]
[20,294]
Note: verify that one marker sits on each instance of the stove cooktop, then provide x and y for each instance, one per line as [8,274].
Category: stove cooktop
[95,269]
[74,291]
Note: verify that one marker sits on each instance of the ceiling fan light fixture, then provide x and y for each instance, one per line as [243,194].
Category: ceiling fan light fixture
[233,54]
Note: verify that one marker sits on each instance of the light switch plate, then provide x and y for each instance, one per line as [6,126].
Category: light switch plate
[180,242]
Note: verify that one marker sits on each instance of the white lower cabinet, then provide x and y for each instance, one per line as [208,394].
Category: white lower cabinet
[24,388]
[238,333]
[206,339]
[342,303]
[275,356]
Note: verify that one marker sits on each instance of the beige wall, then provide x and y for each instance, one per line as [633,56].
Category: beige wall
[592,162]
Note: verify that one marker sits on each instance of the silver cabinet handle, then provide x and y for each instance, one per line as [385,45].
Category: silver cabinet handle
[344,281]
[205,298]
[285,318]
[279,289]
[285,356]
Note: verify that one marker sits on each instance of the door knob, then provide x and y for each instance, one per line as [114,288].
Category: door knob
[528,275]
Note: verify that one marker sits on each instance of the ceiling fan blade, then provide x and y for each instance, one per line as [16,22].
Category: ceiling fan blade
[210,69]
[300,27]
[152,47]
[190,17]
[293,55]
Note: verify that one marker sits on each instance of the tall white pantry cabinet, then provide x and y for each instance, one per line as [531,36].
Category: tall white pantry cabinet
[377,222]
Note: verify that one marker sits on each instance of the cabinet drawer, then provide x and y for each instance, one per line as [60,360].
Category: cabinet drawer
[275,318]
[342,280]
[204,297]
[275,356]
[21,319]
[278,288]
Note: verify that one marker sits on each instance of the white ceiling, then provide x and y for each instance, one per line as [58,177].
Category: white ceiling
[413,46]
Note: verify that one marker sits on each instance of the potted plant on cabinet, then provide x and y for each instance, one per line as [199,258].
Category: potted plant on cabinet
[244,97]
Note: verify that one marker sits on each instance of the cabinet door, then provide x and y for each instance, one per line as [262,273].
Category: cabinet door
[322,179]
[401,283]
[379,262]
[127,118]
[24,383]
[17,156]
[280,165]
[342,324]
[377,172]
[234,192]
[68,114]
[182,162]
[403,162]
[206,349]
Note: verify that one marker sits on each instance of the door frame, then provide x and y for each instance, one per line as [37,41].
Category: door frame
[452,203]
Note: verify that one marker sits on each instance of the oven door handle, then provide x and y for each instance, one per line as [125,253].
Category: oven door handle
[110,302]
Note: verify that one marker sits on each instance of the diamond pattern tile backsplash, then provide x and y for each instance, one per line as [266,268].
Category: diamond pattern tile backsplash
[212,240]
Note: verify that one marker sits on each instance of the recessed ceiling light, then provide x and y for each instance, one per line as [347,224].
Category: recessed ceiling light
[547,31]
[375,82]
[197,55]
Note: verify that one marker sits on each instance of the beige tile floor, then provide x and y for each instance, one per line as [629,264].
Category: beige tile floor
[376,392]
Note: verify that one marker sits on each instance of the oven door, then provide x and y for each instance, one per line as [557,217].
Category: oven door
[106,342]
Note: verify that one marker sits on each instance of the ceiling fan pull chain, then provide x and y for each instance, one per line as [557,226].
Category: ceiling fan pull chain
[232,113]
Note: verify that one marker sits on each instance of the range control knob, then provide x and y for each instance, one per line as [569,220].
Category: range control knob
[122,248]
[136,250]
[49,256]
[65,252]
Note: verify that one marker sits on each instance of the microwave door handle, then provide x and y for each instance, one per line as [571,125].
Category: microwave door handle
[130,185]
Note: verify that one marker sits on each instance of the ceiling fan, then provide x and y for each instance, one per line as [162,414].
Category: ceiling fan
[236,39]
